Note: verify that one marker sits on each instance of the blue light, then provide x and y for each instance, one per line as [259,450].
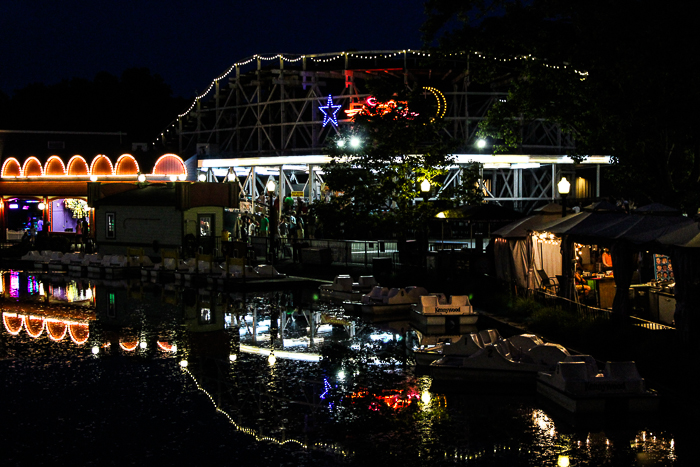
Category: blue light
[329,110]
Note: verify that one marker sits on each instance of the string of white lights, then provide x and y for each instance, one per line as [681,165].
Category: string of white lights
[323,58]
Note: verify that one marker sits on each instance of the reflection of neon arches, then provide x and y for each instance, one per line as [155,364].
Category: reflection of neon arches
[129,346]
[34,326]
[13,322]
[167,347]
[79,333]
[56,329]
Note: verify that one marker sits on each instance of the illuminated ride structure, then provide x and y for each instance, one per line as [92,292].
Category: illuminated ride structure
[273,116]
[32,193]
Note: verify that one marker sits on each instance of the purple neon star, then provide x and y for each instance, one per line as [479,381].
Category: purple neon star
[329,110]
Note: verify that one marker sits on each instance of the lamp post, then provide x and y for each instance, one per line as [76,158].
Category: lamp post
[563,186]
[271,185]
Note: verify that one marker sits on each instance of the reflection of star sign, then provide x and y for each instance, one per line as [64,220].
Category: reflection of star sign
[329,110]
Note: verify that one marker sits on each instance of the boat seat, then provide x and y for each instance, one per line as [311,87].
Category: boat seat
[547,355]
[621,370]
[343,283]
[522,343]
[502,347]
[367,281]
[429,300]
[460,300]
[489,336]
[573,371]
[589,361]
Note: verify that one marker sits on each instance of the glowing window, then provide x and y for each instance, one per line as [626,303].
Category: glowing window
[126,165]
[77,166]
[101,165]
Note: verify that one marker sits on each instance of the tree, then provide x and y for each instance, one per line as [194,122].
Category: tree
[615,75]
[377,166]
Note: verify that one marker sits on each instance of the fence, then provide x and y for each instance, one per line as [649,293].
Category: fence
[589,312]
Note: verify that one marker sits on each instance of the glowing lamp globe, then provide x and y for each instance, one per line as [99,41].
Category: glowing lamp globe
[563,186]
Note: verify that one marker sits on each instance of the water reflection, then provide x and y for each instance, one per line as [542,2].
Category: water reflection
[286,370]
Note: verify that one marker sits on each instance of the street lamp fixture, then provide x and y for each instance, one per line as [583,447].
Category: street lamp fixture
[425,185]
[563,186]
[355,142]
[481,143]
[42,206]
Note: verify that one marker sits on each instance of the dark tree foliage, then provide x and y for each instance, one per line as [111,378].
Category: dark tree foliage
[618,76]
[138,103]
[375,184]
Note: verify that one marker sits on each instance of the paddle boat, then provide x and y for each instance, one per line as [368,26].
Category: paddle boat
[384,301]
[344,288]
[577,386]
[436,310]
[469,344]
[500,364]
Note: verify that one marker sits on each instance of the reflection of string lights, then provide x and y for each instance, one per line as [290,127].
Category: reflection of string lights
[249,431]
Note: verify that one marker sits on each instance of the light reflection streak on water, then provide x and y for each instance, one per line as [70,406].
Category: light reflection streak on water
[326,447]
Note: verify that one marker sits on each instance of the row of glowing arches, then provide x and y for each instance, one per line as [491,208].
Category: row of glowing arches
[101,165]
[56,329]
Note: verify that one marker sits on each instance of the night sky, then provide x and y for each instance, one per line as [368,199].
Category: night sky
[187,42]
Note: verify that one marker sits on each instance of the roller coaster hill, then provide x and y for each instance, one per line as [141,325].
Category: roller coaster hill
[277,113]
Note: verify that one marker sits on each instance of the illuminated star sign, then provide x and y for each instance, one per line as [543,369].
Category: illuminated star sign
[329,110]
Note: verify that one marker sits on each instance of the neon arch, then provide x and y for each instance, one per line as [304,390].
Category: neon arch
[126,165]
[79,333]
[101,165]
[77,165]
[54,166]
[169,164]
[34,326]
[32,167]
[56,329]
[13,322]
[11,168]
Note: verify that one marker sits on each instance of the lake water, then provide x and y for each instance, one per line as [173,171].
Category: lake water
[98,372]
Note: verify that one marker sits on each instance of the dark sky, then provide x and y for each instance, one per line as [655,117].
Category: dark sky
[187,42]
